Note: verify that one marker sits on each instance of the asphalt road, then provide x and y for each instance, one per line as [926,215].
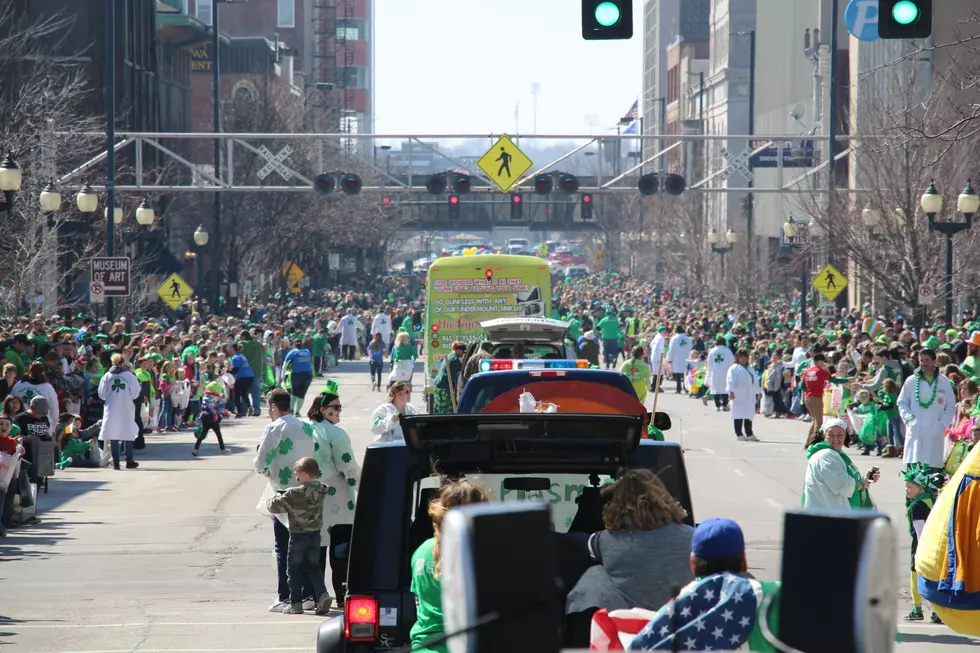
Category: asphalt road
[174,557]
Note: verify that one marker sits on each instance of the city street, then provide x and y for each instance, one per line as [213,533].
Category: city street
[174,557]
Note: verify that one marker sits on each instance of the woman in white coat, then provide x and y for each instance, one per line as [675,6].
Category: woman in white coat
[386,420]
[339,471]
[743,389]
[119,389]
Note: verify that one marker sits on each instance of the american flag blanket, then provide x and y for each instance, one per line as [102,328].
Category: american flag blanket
[717,613]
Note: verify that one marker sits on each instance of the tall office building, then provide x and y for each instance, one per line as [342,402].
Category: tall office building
[664,22]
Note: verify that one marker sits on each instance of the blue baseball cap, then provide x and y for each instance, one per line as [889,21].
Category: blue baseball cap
[718,538]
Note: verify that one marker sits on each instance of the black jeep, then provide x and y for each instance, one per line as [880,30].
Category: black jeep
[559,458]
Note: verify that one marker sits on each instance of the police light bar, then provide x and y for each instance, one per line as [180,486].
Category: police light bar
[523,364]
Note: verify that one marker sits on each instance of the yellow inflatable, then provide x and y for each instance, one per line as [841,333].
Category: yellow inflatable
[947,560]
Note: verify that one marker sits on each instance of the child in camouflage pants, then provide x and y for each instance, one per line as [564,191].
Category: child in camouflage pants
[303,506]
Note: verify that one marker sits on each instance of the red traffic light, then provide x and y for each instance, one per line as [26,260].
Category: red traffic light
[436,184]
[386,201]
[489,273]
[435,327]
[587,199]
[568,183]
[350,184]
[543,184]
[461,184]
[516,199]
[454,199]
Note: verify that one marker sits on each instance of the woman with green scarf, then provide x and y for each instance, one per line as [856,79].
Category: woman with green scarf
[832,480]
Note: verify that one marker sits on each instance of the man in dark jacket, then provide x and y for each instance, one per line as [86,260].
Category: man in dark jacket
[589,349]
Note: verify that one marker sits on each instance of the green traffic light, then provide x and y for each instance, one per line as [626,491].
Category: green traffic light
[607,14]
[905,12]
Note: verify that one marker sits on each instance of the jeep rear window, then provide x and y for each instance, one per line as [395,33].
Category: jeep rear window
[565,488]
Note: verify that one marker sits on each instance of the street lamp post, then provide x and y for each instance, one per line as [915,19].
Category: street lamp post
[967,204]
[201,238]
[11,178]
[714,238]
[792,238]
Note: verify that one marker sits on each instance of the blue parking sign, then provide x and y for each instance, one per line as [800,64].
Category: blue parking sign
[861,19]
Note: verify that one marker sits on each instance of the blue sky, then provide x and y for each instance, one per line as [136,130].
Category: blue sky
[461,66]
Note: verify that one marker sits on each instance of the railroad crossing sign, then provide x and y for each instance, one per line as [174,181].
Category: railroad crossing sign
[927,294]
[275,163]
[504,163]
[175,291]
[109,277]
[736,163]
[830,282]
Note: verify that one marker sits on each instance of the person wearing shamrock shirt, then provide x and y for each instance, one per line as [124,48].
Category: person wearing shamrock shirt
[339,471]
[927,405]
[285,441]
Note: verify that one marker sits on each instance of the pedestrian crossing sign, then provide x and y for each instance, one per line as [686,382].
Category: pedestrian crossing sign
[830,282]
[175,291]
[504,163]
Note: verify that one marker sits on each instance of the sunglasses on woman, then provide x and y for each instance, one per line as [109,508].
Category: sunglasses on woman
[336,406]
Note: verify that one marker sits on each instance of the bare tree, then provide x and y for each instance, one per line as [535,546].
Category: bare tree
[41,93]
[898,253]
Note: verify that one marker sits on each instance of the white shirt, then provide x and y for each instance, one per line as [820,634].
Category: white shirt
[720,358]
[384,424]
[678,352]
[799,355]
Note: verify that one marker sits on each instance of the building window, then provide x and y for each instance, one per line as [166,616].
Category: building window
[287,13]
[243,106]
[347,34]
[204,11]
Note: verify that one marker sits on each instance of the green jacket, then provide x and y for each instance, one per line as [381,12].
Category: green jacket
[14,359]
[254,353]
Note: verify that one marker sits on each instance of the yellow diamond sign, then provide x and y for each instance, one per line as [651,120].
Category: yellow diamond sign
[830,282]
[175,291]
[504,163]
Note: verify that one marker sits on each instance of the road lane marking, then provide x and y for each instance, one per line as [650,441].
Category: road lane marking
[739,472]
[774,504]
[707,450]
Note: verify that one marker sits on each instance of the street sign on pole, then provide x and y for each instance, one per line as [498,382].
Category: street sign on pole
[96,293]
[175,291]
[861,19]
[830,282]
[110,276]
[504,163]
[927,294]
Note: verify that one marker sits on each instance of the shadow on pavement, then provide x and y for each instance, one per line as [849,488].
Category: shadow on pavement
[63,488]
[7,621]
[46,532]
[938,638]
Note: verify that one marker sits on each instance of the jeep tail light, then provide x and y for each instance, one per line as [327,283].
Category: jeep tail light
[361,618]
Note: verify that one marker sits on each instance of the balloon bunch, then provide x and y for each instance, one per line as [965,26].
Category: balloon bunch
[472,251]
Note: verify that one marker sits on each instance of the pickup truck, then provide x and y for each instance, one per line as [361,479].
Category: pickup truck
[574,454]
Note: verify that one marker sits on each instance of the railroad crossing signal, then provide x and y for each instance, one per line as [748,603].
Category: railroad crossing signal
[736,163]
[275,163]
[830,282]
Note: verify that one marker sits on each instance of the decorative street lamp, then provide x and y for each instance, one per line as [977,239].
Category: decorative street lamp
[117,214]
[201,238]
[714,238]
[871,217]
[50,199]
[967,204]
[793,231]
[145,214]
[87,200]
[10,180]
